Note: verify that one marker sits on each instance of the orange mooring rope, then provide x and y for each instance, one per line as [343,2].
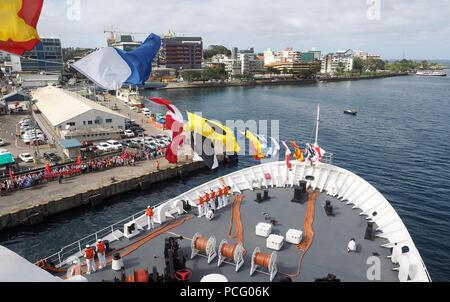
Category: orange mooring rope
[262,259]
[201,243]
[228,250]
[309,233]
[236,217]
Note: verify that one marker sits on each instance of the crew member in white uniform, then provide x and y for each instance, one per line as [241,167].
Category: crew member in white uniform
[149,214]
[201,203]
[101,251]
[90,262]
[213,199]
[219,198]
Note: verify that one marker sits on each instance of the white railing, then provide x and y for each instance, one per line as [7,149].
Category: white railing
[77,247]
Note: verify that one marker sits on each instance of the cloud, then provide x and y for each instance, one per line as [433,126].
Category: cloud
[417,27]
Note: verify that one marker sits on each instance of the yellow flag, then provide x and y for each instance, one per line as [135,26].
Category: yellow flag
[202,126]
[256,144]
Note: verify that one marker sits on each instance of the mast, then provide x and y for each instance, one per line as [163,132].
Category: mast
[317,125]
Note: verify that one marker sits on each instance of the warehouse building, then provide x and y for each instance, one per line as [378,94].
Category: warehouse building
[71,116]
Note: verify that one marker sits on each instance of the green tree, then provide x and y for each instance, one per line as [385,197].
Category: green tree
[213,50]
[191,75]
[359,65]
[340,68]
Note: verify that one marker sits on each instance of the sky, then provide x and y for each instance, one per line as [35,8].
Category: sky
[416,29]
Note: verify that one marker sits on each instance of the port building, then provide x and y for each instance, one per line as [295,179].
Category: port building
[181,53]
[46,56]
[71,116]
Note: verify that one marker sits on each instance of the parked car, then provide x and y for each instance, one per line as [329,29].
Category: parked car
[28,139]
[24,119]
[51,156]
[127,142]
[128,133]
[26,157]
[104,147]
[163,143]
[146,111]
[152,146]
[4,151]
[2,142]
[115,145]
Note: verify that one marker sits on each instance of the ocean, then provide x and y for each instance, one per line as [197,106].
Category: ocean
[399,142]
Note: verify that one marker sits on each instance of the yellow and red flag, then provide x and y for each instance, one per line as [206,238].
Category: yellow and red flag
[298,155]
[256,144]
[18,21]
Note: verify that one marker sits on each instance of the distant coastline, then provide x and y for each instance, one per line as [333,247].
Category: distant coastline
[278,82]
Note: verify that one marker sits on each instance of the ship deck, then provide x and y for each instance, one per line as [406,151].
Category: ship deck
[327,253]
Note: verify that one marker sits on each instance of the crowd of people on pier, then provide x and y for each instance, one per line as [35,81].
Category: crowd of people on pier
[15,183]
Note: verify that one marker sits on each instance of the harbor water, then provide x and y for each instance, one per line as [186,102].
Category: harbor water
[399,142]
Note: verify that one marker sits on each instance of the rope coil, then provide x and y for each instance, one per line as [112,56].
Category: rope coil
[228,250]
[201,243]
[262,259]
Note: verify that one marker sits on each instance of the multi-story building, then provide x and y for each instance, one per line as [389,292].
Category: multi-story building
[248,50]
[250,64]
[9,63]
[374,56]
[294,67]
[365,56]
[316,53]
[181,52]
[344,58]
[326,63]
[46,56]
[124,42]
[307,57]
[241,62]
[290,55]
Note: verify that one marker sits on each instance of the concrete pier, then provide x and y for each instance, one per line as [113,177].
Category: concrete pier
[32,206]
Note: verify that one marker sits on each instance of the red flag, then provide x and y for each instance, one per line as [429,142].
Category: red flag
[171,151]
[79,160]
[11,174]
[175,124]
[124,154]
[47,168]
[288,156]
[163,102]
[18,31]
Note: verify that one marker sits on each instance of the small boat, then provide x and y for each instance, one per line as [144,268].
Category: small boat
[430,73]
[352,112]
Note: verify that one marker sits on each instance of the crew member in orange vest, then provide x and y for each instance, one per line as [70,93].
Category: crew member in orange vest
[149,214]
[157,165]
[89,254]
[101,251]
[225,196]
[201,202]
[219,198]
[75,269]
[213,200]
[207,202]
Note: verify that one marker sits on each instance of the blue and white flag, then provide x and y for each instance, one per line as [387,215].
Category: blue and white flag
[111,67]
[275,148]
